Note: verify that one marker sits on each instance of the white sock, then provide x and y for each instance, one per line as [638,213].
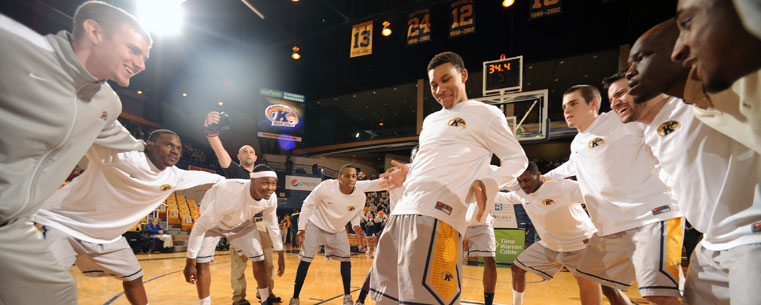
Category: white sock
[205,301]
[517,298]
[264,293]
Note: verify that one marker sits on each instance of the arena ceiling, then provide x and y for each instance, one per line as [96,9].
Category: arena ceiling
[227,52]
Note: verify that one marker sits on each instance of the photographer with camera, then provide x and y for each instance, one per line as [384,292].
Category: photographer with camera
[215,123]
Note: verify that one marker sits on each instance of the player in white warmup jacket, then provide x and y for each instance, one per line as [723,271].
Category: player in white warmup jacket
[83,222]
[554,207]
[226,211]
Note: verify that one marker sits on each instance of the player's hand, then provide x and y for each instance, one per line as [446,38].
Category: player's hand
[161,231]
[360,233]
[299,237]
[479,190]
[465,246]
[190,272]
[394,177]
[211,118]
[280,263]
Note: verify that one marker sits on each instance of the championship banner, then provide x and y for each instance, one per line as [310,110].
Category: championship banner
[504,216]
[301,183]
[509,244]
[361,39]
[419,27]
[463,20]
[544,8]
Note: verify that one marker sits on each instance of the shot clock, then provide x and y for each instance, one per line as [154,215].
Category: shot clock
[503,75]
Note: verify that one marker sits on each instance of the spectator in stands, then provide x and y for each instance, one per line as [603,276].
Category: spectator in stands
[288,165]
[158,232]
[316,170]
[285,223]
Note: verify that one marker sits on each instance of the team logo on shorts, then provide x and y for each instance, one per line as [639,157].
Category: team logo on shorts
[457,122]
[104,115]
[165,187]
[548,202]
[596,142]
[668,127]
[447,276]
[350,208]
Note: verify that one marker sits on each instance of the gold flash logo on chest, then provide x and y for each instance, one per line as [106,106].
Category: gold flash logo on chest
[596,142]
[548,202]
[668,127]
[165,187]
[457,122]
[104,115]
[350,208]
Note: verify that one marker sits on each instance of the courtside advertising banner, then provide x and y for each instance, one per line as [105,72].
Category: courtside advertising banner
[509,244]
[504,216]
[301,183]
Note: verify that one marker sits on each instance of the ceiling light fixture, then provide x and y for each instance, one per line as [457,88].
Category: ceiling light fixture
[386,30]
[296,55]
[508,3]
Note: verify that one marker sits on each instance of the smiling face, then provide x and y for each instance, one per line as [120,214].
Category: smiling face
[165,151]
[117,54]
[622,102]
[448,84]
[263,188]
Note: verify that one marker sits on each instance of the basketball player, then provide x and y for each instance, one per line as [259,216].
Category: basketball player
[242,170]
[324,215]
[393,197]
[714,177]
[639,227]
[723,57]
[83,222]
[55,104]
[226,211]
[480,241]
[554,208]
[424,233]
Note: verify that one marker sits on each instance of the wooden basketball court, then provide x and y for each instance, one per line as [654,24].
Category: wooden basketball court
[165,283]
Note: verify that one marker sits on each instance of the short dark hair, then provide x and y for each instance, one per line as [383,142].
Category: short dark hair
[158,132]
[108,16]
[588,92]
[606,82]
[446,57]
[532,167]
[262,168]
[341,170]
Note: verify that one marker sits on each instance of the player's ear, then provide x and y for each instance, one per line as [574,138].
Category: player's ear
[464,75]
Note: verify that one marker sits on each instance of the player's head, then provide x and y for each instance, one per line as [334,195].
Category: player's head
[714,44]
[113,41]
[163,148]
[347,178]
[651,71]
[580,105]
[413,153]
[620,100]
[263,182]
[447,76]
[247,156]
[154,221]
[531,179]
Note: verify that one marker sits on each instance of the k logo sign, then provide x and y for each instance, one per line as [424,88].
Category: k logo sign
[282,115]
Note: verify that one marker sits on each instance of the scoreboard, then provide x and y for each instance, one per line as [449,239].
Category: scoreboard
[503,75]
